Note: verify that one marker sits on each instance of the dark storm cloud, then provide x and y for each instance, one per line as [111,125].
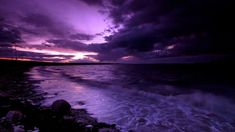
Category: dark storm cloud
[80,36]
[192,26]
[38,20]
[8,34]
[111,54]
[69,44]
[45,24]
[149,22]
[136,39]
[141,28]
[76,45]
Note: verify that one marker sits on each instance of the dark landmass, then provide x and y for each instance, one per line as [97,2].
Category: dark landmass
[37,63]
[222,61]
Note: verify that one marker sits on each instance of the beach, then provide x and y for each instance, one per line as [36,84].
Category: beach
[128,97]
[21,110]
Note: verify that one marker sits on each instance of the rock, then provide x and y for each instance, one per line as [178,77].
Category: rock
[61,107]
[2,119]
[14,116]
[89,127]
[108,130]
[60,117]
[68,118]
[35,129]
[5,126]
[18,128]
[83,118]
[3,129]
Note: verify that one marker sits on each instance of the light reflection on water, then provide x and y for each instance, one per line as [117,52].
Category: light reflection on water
[136,99]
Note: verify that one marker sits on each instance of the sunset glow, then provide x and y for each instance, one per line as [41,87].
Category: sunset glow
[76,55]
[113,30]
[18,59]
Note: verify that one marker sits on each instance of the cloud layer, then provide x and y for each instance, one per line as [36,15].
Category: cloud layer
[118,29]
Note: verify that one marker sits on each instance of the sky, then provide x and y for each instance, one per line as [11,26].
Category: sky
[115,30]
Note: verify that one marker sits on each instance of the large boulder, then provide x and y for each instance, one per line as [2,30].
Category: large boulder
[14,116]
[61,107]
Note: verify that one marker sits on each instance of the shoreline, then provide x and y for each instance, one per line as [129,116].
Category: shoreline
[15,91]
[22,115]
[19,93]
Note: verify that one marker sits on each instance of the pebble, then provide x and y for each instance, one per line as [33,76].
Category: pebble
[19,128]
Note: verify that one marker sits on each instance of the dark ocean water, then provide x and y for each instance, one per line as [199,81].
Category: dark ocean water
[144,97]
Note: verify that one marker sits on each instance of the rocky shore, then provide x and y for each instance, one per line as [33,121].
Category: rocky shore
[20,113]
[21,116]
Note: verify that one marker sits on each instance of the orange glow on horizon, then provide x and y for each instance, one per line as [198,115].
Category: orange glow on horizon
[18,59]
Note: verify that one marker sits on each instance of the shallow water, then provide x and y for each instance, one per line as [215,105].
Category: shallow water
[141,97]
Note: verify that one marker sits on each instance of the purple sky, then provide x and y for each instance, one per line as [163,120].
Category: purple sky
[114,30]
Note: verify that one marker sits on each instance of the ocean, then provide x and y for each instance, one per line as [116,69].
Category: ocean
[144,97]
